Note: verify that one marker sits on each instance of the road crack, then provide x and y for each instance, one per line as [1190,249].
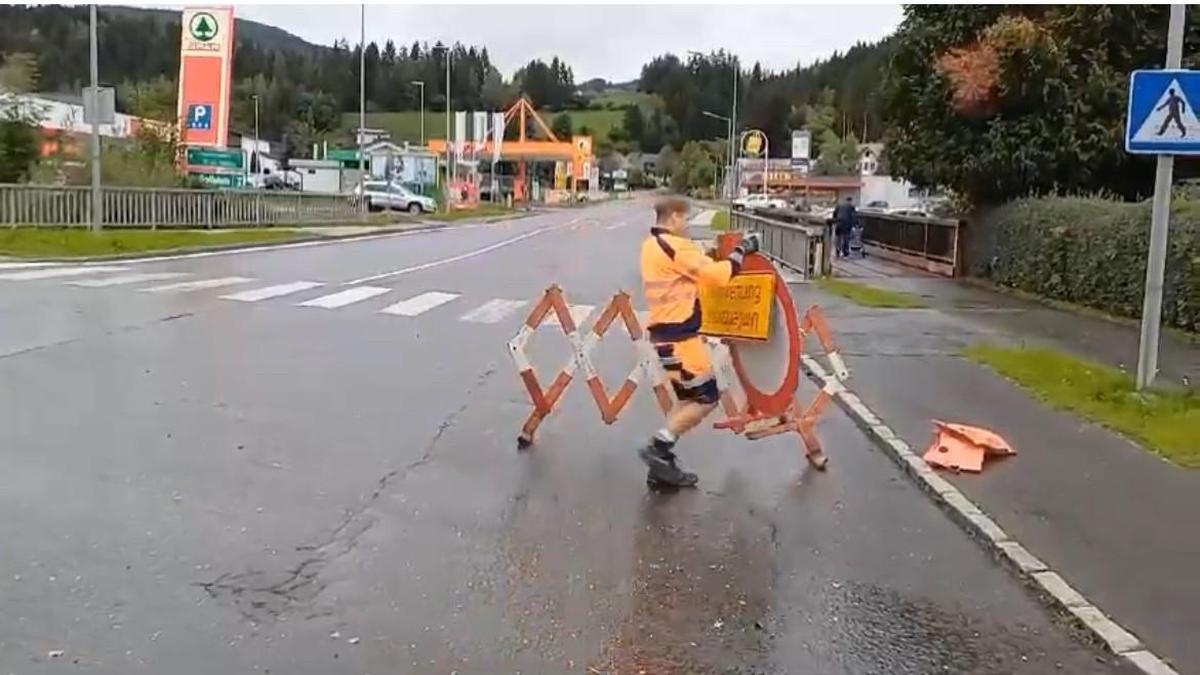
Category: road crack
[261,596]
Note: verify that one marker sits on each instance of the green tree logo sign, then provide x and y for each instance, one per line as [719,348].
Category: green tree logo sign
[203,26]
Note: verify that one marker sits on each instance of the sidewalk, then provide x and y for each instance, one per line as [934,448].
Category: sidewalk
[1117,522]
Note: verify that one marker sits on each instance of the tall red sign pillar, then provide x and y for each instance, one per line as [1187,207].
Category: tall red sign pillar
[205,75]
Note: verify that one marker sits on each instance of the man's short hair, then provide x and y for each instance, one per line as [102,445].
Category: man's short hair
[665,208]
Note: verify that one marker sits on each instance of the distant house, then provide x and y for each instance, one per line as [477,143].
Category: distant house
[870,158]
[61,121]
[368,135]
[648,163]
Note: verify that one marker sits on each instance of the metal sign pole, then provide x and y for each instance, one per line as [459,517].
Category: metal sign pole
[1159,225]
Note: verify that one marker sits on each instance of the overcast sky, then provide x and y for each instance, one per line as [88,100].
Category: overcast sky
[609,41]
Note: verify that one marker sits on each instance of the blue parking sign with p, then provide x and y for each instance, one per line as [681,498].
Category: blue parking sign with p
[199,116]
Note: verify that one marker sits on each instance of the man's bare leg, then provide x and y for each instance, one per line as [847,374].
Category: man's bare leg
[685,416]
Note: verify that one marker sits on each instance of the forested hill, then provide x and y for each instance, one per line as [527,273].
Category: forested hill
[134,43]
[303,89]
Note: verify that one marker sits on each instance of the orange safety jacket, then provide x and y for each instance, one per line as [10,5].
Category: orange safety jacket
[673,269]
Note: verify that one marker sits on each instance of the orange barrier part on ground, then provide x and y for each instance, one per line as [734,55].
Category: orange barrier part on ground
[963,448]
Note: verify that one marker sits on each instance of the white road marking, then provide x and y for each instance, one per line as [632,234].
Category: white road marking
[346,297]
[267,248]
[200,285]
[55,272]
[463,256]
[493,311]
[420,304]
[578,314]
[122,279]
[26,265]
[256,294]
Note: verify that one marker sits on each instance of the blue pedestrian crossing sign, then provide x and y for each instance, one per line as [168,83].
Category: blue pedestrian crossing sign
[1162,117]
[199,116]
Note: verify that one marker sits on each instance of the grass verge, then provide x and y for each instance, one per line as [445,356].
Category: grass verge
[1167,422]
[481,211]
[720,221]
[63,243]
[871,296]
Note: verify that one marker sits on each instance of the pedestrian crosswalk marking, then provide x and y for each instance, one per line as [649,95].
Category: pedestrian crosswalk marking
[346,297]
[256,294]
[493,311]
[578,314]
[123,279]
[200,285]
[419,304]
[56,272]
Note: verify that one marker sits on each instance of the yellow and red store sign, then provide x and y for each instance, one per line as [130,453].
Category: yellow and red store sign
[205,75]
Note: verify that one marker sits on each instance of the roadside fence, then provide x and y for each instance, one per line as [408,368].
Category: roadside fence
[24,205]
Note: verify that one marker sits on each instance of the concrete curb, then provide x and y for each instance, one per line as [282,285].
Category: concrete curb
[1047,585]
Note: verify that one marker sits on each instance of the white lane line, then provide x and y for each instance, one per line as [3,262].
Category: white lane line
[55,272]
[451,259]
[256,294]
[578,314]
[493,311]
[346,297]
[417,305]
[122,279]
[200,285]
[26,265]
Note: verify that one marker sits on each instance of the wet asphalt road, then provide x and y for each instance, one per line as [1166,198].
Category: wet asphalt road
[197,485]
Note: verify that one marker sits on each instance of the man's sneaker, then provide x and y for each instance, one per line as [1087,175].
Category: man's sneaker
[663,469]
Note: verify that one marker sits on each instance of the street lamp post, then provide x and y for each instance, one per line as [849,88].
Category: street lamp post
[421,85]
[362,107]
[729,144]
[97,204]
[449,156]
[731,172]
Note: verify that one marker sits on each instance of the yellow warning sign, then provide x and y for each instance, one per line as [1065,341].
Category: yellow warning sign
[740,310]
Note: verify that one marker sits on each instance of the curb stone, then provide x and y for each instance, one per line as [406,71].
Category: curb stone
[1050,587]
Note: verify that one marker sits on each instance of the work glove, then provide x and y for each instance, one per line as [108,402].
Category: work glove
[749,245]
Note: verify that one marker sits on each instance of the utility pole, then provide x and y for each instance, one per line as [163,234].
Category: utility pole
[1159,225]
[733,149]
[97,202]
[362,106]
[421,84]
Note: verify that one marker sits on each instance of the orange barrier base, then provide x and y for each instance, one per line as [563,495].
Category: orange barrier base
[755,425]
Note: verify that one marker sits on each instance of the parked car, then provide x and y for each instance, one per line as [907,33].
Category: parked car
[911,212]
[383,196]
[759,201]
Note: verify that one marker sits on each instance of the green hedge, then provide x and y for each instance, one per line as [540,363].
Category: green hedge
[1092,252]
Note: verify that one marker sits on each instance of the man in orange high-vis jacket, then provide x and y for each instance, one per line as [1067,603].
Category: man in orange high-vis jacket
[673,270]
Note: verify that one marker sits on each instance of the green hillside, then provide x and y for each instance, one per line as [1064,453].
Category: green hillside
[406,126]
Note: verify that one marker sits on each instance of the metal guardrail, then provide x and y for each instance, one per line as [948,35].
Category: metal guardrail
[801,242]
[70,206]
[931,244]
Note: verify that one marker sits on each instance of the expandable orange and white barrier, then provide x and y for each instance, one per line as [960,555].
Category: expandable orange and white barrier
[554,300]
[750,412]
